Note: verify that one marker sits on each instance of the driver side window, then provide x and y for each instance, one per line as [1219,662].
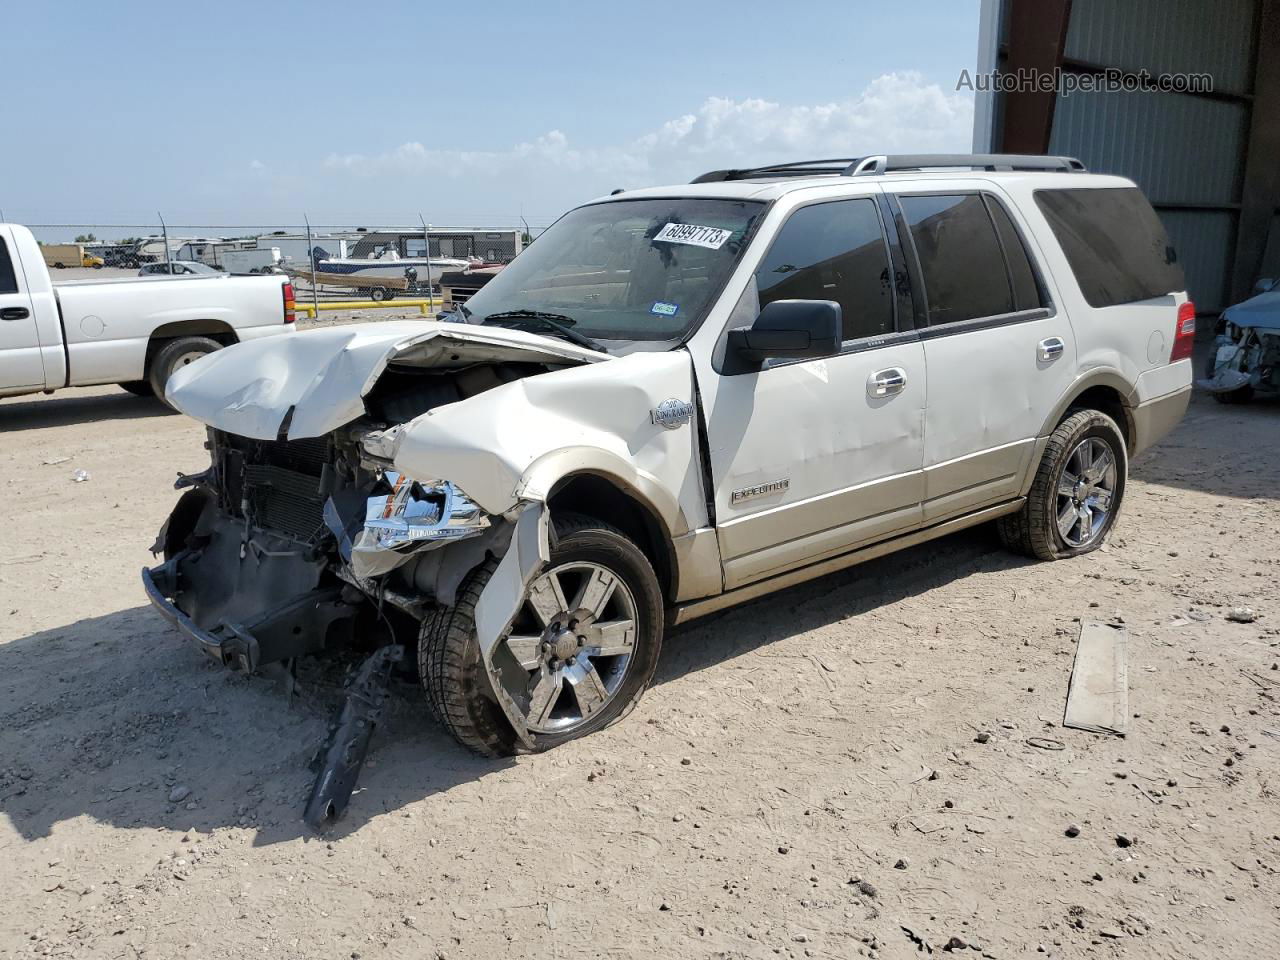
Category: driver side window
[833,251]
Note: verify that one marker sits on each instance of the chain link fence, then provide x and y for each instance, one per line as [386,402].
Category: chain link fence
[424,265]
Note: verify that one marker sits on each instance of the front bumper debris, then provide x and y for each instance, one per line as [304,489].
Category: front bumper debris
[349,740]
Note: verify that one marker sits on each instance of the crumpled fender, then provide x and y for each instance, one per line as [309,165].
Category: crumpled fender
[515,442]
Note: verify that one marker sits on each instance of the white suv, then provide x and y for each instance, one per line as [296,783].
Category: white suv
[675,400]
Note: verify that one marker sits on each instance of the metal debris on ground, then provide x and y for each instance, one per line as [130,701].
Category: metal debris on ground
[1098,698]
[349,743]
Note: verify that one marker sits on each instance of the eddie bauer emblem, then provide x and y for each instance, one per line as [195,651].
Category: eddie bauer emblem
[670,414]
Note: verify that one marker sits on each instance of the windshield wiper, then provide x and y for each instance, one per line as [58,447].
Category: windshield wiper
[556,321]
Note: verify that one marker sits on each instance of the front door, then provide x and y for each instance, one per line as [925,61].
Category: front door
[21,366]
[810,459]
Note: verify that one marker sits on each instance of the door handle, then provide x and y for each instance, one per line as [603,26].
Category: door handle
[14,313]
[1050,349]
[885,383]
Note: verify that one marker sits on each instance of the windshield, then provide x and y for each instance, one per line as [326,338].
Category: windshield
[624,270]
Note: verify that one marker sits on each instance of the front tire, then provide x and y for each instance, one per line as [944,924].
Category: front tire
[578,667]
[173,356]
[139,388]
[1077,491]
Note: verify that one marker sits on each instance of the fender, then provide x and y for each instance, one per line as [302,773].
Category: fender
[515,442]
[642,486]
[1094,377]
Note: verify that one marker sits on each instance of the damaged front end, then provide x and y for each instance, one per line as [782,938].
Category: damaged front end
[292,545]
[1246,353]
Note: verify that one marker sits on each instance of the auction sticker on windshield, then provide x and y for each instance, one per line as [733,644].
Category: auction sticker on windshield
[711,237]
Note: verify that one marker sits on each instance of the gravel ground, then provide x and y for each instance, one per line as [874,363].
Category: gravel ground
[841,769]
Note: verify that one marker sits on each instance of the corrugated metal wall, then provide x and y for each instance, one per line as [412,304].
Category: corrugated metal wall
[1186,152]
[1167,36]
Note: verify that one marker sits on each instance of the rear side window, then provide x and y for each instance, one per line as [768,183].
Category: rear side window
[1115,243]
[960,256]
[833,251]
[8,280]
[1026,291]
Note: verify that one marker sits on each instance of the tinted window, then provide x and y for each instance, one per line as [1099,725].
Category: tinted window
[8,281]
[833,251]
[1026,291]
[1114,242]
[960,257]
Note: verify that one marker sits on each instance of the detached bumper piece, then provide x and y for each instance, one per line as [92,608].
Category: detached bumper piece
[349,741]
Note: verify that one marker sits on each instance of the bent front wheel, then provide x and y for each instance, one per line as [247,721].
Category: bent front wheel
[582,647]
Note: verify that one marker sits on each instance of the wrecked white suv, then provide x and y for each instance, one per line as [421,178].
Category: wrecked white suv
[675,400]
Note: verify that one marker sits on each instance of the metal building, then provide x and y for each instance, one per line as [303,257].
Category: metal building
[1209,159]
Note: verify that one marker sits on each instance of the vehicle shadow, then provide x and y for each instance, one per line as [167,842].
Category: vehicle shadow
[111,716]
[833,598]
[63,411]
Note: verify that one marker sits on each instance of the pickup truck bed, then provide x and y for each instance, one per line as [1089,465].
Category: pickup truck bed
[85,332]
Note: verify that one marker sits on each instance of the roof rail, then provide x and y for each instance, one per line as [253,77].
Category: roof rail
[800,168]
[875,165]
[872,166]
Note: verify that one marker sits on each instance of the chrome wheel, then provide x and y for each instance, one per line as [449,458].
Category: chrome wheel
[574,634]
[1086,491]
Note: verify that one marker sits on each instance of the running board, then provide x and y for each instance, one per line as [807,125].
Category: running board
[731,598]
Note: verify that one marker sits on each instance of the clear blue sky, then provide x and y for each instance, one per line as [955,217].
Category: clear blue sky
[254,113]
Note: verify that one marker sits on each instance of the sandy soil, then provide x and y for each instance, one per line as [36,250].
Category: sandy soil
[804,779]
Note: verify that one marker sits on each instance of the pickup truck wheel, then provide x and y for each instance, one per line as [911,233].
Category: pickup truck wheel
[1077,491]
[174,355]
[139,388]
[587,637]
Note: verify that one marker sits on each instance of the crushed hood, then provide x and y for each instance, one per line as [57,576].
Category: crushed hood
[322,375]
[1261,312]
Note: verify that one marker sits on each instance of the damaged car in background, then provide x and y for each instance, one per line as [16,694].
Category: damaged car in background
[1245,361]
[675,401]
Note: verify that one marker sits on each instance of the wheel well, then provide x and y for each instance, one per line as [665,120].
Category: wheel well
[224,333]
[598,497]
[1109,401]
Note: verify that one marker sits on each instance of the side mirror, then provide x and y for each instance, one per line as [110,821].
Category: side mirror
[786,329]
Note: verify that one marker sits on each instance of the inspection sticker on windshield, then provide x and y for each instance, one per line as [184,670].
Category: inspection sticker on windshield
[711,237]
[664,309]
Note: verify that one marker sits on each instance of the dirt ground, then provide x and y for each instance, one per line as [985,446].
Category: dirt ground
[808,776]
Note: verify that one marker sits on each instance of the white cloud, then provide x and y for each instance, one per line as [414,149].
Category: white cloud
[897,112]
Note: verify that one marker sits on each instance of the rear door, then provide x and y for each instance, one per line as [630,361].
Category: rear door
[21,366]
[998,352]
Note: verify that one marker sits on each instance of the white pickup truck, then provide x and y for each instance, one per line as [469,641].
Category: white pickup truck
[134,331]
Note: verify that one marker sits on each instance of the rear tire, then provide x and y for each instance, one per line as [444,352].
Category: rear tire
[379,294]
[453,673]
[1037,529]
[139,388]
[174,355]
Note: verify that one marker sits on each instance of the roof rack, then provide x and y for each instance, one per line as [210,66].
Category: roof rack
[876,165]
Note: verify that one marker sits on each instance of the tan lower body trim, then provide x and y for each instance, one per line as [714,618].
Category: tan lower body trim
[731,598]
